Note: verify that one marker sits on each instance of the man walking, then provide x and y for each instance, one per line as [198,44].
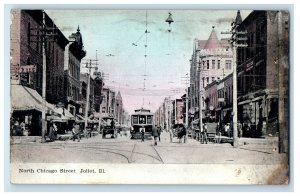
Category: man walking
[142,130]
[159,130]
[155,134]
[76,131]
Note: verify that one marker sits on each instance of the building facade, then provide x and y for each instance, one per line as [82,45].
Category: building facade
[211,60]
[119,108]
[73,54]
[27,40]
[258,69]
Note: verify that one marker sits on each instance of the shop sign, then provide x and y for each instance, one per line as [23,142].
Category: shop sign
[26,69]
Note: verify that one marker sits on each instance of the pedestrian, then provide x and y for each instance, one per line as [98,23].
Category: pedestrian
[240,129]
[51,132]
[159,132]
[171,135]
[227,129]
[55,129]
[142,130]
[112,124]
[22,126]
[204,133]
[17,128]
[76,131]
[155,134]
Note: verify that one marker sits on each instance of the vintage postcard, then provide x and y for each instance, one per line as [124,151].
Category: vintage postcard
[149,96]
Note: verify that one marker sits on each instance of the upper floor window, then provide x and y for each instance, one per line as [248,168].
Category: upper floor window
[207,64]
[228,64]
[219,64]
[213,64]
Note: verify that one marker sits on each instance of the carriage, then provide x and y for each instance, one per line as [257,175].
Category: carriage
[142,118]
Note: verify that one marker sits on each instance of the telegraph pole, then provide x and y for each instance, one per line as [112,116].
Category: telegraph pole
[186,81]
[44,122]
[89,66]
[236,38]
[43,36]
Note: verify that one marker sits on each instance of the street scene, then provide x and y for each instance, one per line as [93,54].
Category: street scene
[150,87]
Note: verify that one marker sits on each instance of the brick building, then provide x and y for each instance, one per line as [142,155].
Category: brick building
[258,69]
[27,65]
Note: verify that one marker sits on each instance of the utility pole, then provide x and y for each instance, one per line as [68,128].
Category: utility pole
[186,81]
[44,121]
[236,38]
[43,35]
[201,86]
[90,66]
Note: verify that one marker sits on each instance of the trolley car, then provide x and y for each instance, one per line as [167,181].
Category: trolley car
[142,118]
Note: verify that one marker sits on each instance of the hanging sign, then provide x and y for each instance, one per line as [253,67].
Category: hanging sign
[27,68]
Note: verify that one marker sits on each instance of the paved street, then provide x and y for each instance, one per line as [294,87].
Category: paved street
[125,150]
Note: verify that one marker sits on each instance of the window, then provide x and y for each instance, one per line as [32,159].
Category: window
[134,120]
[228,64]
[219,64]
[142,120]
[213,64]
[207,80]
[149,119]
[207,64]
[212,79]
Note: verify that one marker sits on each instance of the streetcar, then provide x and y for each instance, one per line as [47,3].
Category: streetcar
[142,118]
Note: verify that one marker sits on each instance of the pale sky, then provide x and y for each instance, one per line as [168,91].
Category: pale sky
[114,31]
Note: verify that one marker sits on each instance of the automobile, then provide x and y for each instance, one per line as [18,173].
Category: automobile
[109,127]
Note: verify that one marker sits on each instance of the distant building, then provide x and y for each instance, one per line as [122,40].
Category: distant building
[211,60]
[177,113]
[73,54]
[108,102]
[83,94]
[119,108]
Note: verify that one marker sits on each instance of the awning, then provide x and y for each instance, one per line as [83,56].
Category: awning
[23,99]
[79,118]
[64,113]
[57,118]
[244,102]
